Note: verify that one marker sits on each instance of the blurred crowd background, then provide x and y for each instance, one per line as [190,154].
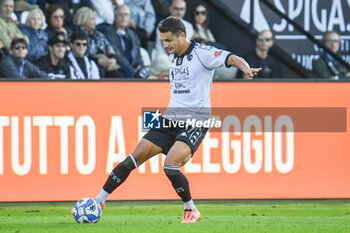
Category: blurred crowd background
[100,39]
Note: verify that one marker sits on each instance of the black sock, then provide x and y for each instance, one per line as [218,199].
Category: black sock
[179,182]
[119,174]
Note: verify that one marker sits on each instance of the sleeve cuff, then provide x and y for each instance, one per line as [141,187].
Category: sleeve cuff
[226,60]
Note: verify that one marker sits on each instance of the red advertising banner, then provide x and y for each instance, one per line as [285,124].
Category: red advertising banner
[60,140]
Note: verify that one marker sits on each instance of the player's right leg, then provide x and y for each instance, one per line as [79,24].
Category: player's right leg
[179,154]
[144,151]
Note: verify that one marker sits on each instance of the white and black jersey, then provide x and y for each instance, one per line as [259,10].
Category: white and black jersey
[90,70]
[191,76]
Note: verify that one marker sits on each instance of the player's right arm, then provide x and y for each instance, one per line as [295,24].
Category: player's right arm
[212,58]
[240,63]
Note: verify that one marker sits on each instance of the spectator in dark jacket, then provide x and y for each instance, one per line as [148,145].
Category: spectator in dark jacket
[16,65]
[37,37]
[142,19]
[125,42]
[56,63]
[3,51]
[326,66]
[260,57]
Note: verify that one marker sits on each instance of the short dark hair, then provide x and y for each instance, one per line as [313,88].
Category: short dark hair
[52,8]
[78,35]
[16,41]
[172,24]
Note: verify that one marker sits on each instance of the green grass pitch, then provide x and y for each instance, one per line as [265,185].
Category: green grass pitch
[304,216]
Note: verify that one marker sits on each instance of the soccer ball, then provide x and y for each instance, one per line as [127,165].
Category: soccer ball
[87,210]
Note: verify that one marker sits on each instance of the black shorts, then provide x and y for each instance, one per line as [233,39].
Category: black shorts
[166,137]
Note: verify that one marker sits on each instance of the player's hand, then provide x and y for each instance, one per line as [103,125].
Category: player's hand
[251,72]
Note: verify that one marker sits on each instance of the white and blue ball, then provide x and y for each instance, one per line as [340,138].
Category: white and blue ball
[87,210]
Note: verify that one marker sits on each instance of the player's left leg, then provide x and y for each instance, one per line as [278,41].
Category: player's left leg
[179,154]
[144,150]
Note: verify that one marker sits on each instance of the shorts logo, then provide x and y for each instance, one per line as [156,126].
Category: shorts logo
[151,120]
[184,134]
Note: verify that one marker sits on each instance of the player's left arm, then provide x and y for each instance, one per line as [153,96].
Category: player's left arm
[240,63]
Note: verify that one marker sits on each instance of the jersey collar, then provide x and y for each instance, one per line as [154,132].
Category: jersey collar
[188,51]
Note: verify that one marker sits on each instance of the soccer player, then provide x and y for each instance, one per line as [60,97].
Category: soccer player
[191,74]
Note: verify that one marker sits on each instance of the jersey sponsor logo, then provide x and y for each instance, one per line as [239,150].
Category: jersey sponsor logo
[151,119]
[181,71]
[179,86]
[217,53]
[182,91]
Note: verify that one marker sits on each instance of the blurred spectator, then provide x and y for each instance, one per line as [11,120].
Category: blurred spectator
[225,73]
[260,57]
[3,51]
[40,3]
[16,65]
[200,21]
[104,11]
[99,48]
[37,37]
[159,68]
[8,29]
[326,66]
[126,42]
[161,8]
[143,19]
[55,63]
[33,2]
[70,7]
[177,8]
[55,17]
[81,66]
[22,6]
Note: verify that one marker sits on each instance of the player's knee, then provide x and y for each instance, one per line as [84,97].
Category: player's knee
[130,162]
[122,171]
[171,170]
